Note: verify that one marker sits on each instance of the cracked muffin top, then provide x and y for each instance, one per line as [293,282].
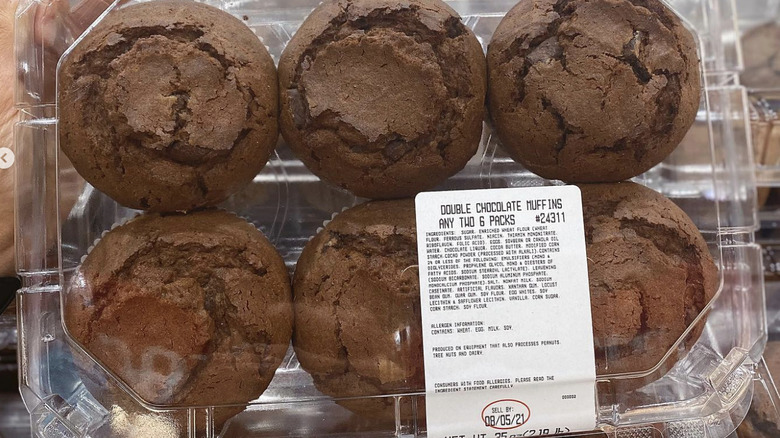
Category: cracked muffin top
[356,291]
[383,98]
[592,90]
[357,306]
[185,309]
[168,106]
[650,271]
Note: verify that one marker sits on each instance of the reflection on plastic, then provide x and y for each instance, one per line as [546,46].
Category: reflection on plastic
[147,377]
[141,425]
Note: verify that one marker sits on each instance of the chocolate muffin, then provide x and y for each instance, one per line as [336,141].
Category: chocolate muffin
[357,307]
[650,273]
[168,106]
[383,98]
[763,417]
[761,52]
[186,310]
[592,90]
[356,291]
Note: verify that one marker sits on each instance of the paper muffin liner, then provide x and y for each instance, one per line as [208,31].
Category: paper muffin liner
[113,226]
[127,220]
[332,216]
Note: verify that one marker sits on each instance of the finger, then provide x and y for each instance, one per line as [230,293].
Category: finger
[7,67]
[7,120]
[85,13]
[48,28]
[7,10]
[57,24]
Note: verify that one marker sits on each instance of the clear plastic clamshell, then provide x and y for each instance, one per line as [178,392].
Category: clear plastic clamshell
[131,382]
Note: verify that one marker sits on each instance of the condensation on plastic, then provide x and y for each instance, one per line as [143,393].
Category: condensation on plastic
[711,176]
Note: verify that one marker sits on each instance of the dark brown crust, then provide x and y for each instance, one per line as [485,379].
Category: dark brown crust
[651,274]
[168,106]
[761,50]
[186,310]
[592,91]
[357,306]
[388,148]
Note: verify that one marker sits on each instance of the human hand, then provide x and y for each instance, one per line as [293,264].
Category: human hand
[55,25]
[7,120]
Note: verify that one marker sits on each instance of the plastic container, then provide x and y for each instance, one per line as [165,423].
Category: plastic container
[763,410]
[763,419]
[711,176]
[765,407]
[764,92]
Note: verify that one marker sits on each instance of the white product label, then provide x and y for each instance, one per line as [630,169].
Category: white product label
[507,328]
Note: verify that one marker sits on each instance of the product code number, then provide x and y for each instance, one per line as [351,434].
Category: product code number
[551,218]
